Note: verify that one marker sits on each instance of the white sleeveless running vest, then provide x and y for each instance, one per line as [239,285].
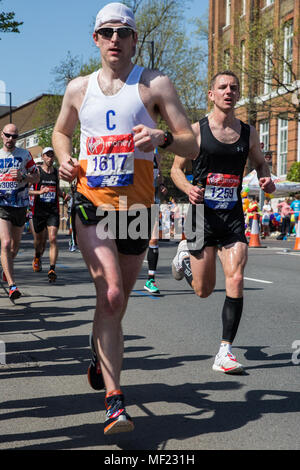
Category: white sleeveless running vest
[110,165]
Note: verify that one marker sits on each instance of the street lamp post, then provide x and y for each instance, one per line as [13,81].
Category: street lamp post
[10,104]
[152,51]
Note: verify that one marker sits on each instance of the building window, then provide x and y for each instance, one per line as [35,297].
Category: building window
[227,12]
[227,59]
[243,12]
[282,147]
[268,65]
[288,52]
[20,143]
[32,141]
[264,134]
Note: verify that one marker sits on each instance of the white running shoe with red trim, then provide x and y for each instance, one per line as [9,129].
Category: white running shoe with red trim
[227,364]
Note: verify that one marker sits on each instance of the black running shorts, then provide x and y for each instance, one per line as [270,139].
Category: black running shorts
[126,244]
[219,228]
[44,219]
[15,215]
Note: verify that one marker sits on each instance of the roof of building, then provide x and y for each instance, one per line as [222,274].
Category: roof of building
[6,109]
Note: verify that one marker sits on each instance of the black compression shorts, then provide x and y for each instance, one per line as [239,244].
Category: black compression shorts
[86,211]
[44,219]
[218,228]
[15,215]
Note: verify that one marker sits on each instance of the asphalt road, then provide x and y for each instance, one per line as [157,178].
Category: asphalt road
[176,400]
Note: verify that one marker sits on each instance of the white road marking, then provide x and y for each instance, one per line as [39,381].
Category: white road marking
[257,280]
[287,253]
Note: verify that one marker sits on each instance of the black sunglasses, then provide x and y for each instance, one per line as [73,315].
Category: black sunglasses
[13,136]
[122,32]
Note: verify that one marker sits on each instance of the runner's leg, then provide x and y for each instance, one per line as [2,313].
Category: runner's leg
[203,267]
[53,247]
[114,277]
[10,236]
[233,259]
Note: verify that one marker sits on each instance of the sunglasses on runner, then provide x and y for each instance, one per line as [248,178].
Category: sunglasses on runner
[122,32]
[13,136]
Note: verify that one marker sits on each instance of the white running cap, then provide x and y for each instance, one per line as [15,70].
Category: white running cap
[47,149]
[115,12]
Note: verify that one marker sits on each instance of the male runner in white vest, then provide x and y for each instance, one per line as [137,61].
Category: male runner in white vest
[118,107]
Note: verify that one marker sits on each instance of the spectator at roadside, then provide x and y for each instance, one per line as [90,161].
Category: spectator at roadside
[284,209]
[266,215]
[252,209]
[295,206]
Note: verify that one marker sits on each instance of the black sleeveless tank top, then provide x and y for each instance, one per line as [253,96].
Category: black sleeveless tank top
[220,168]
[47,201]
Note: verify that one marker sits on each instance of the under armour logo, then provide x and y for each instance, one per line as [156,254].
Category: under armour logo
[240,149]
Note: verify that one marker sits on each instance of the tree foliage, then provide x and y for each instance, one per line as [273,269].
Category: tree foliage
[294,172]
[8,24]
[268,73]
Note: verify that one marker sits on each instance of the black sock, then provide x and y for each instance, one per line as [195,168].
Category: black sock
[152,258]
[231,316]
[186,265]
[52,266]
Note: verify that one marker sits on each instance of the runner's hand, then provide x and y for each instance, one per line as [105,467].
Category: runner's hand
[196,195]
[45,189]
[68,170]
[15,174]
[267,185]
[147,139]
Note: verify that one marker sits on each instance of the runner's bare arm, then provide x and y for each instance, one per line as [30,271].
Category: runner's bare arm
[194,193]
[64,128]
[160,97]
[259,163]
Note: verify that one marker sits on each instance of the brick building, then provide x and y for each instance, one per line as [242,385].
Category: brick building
[259,40]
[28,119]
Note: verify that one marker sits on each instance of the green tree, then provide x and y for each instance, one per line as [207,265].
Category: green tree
[8,24]
[267,67]
[294,172]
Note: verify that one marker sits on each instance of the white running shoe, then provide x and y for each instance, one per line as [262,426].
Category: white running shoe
[227,364]
[182,252]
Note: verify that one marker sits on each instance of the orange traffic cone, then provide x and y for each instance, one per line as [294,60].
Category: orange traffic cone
[297,241]
[254,241]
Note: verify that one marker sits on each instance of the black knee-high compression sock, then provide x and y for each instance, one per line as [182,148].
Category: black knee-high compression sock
[231,316]
[152,259]
[186,265]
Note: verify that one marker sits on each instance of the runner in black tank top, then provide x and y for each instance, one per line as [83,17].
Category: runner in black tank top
[219,168]
[45,212]
[215,197]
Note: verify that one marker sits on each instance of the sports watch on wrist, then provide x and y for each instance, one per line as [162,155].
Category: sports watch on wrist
[168,139]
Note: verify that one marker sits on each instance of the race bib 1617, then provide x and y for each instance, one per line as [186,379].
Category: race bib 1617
[110,160]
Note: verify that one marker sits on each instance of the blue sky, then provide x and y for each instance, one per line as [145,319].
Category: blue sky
[50,30]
